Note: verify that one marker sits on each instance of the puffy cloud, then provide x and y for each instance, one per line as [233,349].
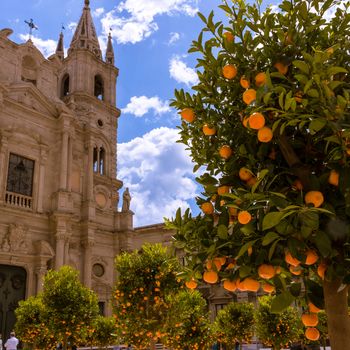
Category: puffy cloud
[72,26]
[134,20]
[140,105]
[47,47]
[98,12]
[158,172]
[181,73]
[174,37]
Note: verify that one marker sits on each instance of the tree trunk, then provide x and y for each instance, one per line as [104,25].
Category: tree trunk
[338,319]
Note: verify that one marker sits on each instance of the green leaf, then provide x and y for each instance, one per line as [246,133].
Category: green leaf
[272,219]
[281,302]
[269,237]
[302,66]
[317,124]
[335,70]
[245,247]
[222,232]
[313,93]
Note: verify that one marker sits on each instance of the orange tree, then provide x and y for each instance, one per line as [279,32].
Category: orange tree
[276,330]
[268,122]
[235,322]
[187,324]
[145,278]
[103,336]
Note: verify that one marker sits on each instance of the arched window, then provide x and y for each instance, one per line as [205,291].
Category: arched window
[99,160]
[102,161]
[29,70]
[98,87]
[65,86]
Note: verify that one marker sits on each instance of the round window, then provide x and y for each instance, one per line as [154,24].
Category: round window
[98,270]
[100,123]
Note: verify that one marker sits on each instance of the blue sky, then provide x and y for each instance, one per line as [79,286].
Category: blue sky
[151,39]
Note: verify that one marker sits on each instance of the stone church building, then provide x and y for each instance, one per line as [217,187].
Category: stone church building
[59,186]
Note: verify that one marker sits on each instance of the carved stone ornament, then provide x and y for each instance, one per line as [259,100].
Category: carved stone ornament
[15,239]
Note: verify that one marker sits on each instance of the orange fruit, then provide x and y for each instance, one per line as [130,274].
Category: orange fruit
[291,260]
[251,284]
[333,178]
[309,320]
[245,174]
[233,211]
[192,284]
[313,308]
[188,114]
[256,121]
[209,264]
[278,270]
[265,134]
[207,208]
[230,285]
[321,270]
[249,96]
[295,270]
[252,181]
[244,82]
[210,277]
[268,288]
[222,260]
[231,265]
[314,197]
[297,185]
[240,285]
[250,251]
[260,79]
[223,189]
[229,37]
[229,71]
[244,217]
[208,131]
[298,96]
[266,271]
[225,151]
[311,257]
[245,121]
[312,333]
[282,68]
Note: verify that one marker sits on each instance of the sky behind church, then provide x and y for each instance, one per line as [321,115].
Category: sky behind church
[151,39]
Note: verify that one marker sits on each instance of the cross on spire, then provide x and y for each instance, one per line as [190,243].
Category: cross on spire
[31,26]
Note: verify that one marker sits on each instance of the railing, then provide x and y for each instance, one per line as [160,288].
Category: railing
[18,200]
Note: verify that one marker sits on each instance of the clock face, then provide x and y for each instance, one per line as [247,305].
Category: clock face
[98,270]
[20,175]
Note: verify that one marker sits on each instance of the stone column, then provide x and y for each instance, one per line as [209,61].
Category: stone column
[70,163]
[87,244]
[90,172]
[66,251]
[3,166]
[64,161]
[60,242]
[40,273]
[42,166]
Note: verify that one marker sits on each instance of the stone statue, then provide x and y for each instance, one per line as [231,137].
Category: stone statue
[126,200]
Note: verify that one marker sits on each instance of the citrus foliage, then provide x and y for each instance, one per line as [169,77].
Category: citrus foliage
[104,332]
[235,322]
[146,277]
[187,323]
[276,330]
[281,146]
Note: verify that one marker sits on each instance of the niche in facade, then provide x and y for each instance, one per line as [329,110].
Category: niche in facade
[98,87]
[29,70]
[65,86]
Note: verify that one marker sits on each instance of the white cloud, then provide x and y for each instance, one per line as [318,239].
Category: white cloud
[140,105]
[158,172]
[181,73]
[134,20]
[47,47]
[174,37]
[72,26]
[98,12]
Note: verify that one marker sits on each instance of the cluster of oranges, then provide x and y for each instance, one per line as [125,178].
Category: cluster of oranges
[310,321]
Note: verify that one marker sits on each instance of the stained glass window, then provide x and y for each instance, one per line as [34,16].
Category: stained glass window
[20,175]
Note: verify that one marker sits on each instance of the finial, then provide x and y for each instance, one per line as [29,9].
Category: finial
[87,3]
[31,26]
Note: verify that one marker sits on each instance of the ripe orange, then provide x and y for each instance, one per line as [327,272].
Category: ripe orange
[231,265]
[333,178]
[311,257]
[233,211]
[222,260]
[245,174]
[309,320]
[314,197]
[321,270]
[297,185]
[265,134]
[249,96]
[291,260]
[298,96]
[241,286]
[245,121]
[244,217]
[282,68]
[313,308]
[260,79]
[229,37]
[207,208]
[210,277]
[208,131]
[192,284]
[256,121]
[217,263]
[266,271]
[296,270]
[244,82]
[312,333]
[268,288]
[230,285]
[252,181]
[229,71]
[251,284]
[223,189]
[188,114]
[225,151]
